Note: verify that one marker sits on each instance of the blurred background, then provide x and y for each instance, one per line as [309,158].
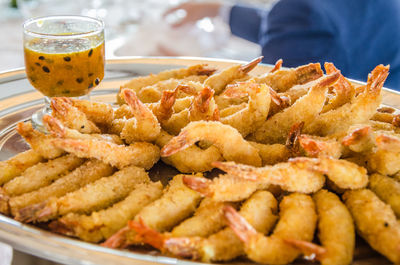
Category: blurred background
[133,28]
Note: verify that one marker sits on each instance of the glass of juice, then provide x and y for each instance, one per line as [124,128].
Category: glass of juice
[64,57]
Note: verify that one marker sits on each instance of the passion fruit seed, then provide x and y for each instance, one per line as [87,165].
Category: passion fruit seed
[67,58]
[46,69]
[79,80]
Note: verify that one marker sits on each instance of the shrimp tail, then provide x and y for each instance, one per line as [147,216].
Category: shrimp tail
[62,227]
[356,135]
[167,101]
[238,224]
[202,101]
[187,89]
[32,213]
[310,250]
[176,144]
[292,140]
[206,70]
[376,79]
[251,65]
[54,126]
[60,105]
[201,185]
[118,240]
[278,66]
[146,234]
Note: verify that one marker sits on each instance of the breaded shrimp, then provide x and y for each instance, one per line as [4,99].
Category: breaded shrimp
[88,172]
[192,159]
[344,174]
[57,129]
[359,138]
[207,219]
[305,109]
[17,164]
[247,120]
[138,83]
[236,149]
[42,174]
[71,116]
[140,154]
[100,113]
[375,222]
[219,80]
[176,204]
[297,220]
[387,189]
[335,229]
[102,224]
[39,142]
[153,93]
[226,187]
[94,196]
[291,176]
[144,126]
[284,79]
[260,210]
[359,110]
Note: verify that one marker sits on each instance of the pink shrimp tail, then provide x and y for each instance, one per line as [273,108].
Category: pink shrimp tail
[175,144]
[54,126]
[146,234]
[200,185]
[278,66]
[118,240]
[251,65]
[238,224]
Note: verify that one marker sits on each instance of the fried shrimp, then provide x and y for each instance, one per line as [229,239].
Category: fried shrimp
[191,159]
[344,174]
[176,204]
[291,176]
[387,189]
[236,149]
[100,113]
[219,80]
[335,229]
[88,172]
[359,110]
[375,222]
[284,79]
[136,84]
[94,196]
[71,116]
[139,154]
[207,219]
[274,249]
[102,224]
[260,210]
[276,128]
[40,143]
[225,187]
[247,120]
[17,164]
[144,126]
[154,92]
[57,129]
[42,174]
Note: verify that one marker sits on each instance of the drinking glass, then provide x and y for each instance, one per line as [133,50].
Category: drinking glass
[64,57]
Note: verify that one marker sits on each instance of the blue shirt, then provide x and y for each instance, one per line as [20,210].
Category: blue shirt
[356,35]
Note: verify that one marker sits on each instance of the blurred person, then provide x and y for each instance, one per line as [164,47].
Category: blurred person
[356,35]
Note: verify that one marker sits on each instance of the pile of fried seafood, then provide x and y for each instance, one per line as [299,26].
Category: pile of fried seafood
[304,161]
